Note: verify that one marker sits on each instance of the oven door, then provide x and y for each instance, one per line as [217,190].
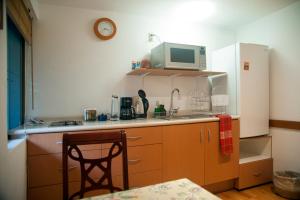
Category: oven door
[181,56]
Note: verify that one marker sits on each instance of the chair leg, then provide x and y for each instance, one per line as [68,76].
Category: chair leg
[65,173]
[125,163]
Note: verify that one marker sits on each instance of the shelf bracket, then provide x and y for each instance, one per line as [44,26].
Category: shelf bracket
[145,74]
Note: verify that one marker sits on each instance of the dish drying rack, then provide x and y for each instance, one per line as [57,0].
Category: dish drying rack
[199,101]
[202,103]
[219,99]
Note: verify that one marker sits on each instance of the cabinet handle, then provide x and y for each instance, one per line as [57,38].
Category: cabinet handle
[59,142]
[134,161]
[208,135]
[257,174]
[134,137]
[201,136]
[69,169]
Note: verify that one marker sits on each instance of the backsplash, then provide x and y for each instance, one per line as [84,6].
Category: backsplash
[187,87]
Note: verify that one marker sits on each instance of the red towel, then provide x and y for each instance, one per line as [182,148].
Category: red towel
[225,134]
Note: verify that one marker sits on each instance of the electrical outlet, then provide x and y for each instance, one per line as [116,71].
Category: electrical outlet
[150,37]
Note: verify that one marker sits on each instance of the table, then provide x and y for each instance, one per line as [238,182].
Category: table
[182,189]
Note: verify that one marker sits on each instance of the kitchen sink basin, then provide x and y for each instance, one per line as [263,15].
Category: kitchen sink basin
[66,123]
[179,117]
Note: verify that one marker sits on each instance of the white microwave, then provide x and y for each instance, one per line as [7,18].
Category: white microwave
[178,56]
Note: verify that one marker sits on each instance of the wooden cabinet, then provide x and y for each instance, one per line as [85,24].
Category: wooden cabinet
[155,154]
[217,166]
[141,179]
[48,143]
[44,155]
[144,149]
[144,136]
[39,144]
[193,151]
[255,173]
[47,169]
[140,159]
[145,178]
[55,192]
[183,152]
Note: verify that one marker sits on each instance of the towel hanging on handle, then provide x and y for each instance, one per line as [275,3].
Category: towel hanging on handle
[225,134]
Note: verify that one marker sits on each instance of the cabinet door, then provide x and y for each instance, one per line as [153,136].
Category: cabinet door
[46,170]
[183,152]
[217,166]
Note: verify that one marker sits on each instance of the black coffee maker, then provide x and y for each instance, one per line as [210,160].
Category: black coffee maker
[127,111]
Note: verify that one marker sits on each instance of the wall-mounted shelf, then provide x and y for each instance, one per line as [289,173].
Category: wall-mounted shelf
[172,72]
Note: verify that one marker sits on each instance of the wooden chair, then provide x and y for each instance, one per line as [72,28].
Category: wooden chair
[70,149]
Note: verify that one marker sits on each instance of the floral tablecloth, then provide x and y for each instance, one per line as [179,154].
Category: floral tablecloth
[182,189]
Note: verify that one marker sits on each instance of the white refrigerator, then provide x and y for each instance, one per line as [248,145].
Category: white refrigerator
[247,84]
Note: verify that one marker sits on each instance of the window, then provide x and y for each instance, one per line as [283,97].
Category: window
[15,76]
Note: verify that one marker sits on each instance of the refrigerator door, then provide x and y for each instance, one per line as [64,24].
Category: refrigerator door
[253,90]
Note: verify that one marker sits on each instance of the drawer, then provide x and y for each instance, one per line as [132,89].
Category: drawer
[145,178]
[140,159]
[38,144]
[46,193]
[47,169]
[255,173]
[140,179]
[56,191]
[41,144]
[142,136]
[144,158]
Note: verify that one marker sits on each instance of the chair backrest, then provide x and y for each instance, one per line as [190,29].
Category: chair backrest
[71,150]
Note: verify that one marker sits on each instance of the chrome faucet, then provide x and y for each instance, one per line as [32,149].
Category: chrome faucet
[172,110]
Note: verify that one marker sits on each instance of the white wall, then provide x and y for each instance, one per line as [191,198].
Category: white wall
[281,31]
[13,161]
[74,69]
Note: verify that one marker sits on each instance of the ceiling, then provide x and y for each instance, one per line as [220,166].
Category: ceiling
[227,13]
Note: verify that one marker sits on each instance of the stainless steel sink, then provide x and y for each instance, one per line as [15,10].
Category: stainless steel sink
[66,123]
[179,117]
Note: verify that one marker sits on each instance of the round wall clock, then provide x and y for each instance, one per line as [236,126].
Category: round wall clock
[105,28]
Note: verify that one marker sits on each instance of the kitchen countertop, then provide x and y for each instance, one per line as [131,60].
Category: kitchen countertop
[97,125]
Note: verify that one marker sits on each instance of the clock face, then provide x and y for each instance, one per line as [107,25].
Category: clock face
[105,28]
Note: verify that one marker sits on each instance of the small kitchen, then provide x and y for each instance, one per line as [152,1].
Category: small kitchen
[173,85]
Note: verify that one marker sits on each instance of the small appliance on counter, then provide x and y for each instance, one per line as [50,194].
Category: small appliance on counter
[127,111]
[138,107]
[145,103]
[114,115]
[89,114]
